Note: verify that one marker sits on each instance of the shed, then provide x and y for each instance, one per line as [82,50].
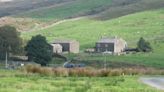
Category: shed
[71,46]
[57,48]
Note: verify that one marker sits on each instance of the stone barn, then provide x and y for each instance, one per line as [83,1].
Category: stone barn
[71,46]
[114,45]
[57,48]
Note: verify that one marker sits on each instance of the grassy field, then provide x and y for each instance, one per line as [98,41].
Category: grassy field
[17,82]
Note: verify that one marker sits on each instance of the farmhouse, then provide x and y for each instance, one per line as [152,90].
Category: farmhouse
[112,45]
[71,46]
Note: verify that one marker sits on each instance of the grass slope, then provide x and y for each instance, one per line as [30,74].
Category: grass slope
[149,25]
[104,9]
[78,7]
[43,13]
[18,6]
[124,8]
[145,24]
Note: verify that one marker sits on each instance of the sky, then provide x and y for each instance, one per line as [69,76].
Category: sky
[6,0]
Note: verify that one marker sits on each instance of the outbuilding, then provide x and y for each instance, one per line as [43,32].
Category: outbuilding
[71,46]
[57,48]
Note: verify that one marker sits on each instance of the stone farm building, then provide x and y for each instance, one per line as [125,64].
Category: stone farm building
[114,45]
[57,48]
[71,46]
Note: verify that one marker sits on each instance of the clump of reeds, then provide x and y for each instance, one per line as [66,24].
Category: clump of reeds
[91,72]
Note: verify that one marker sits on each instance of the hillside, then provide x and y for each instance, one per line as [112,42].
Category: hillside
[44,16]
[102,9]
[125,8]
[18,6]
[148,24]
[89,20]
[110,65]
[42,13]
[67,10]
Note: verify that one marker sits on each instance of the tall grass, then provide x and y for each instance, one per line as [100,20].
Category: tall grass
[91,72]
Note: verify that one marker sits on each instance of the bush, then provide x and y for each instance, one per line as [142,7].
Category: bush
[143,45]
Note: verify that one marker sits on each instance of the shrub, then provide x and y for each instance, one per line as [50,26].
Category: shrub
[143,45]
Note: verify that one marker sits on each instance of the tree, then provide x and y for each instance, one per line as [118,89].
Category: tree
[38,50]
[143,45]
[9,40]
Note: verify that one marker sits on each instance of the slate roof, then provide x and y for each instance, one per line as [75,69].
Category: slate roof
[64,41]
[108,40]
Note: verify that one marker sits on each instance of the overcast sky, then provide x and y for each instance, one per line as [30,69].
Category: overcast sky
[6,0]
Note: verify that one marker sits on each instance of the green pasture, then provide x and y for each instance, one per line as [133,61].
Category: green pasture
[153,59]
[37,83]
[149,25]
